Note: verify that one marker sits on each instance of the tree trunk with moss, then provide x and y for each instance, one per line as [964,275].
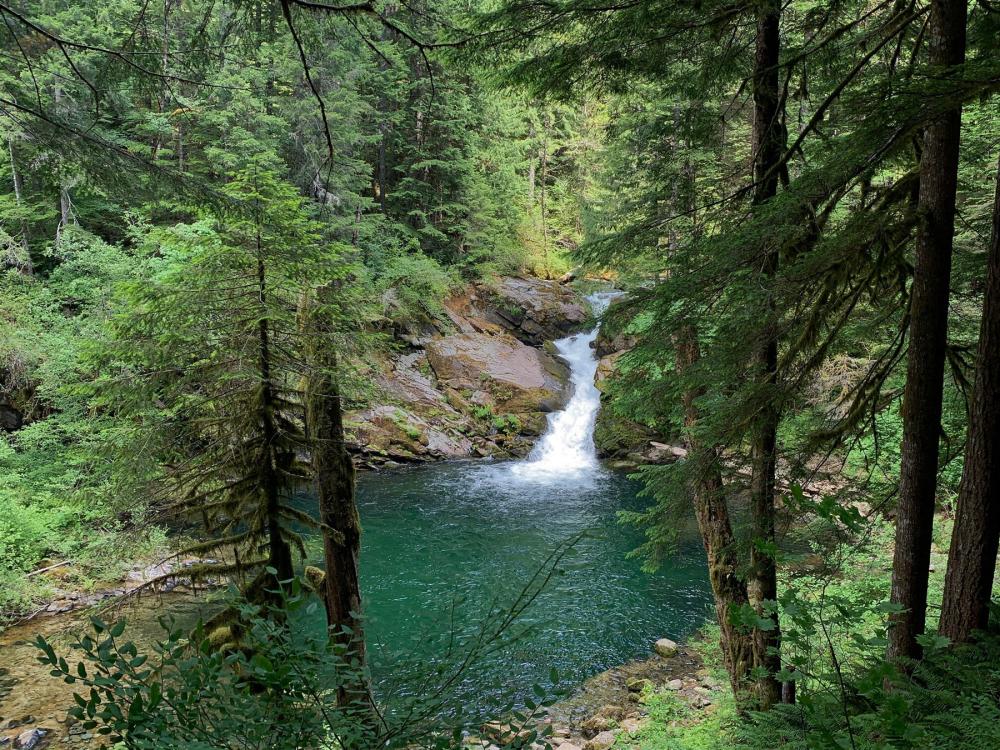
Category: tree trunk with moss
[279,551]
[335,487]
[767,149]
[712,511]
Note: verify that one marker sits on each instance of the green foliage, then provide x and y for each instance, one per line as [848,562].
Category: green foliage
[277,687]
[138,163]
[412,288]
[483,412]
[48,481]
[833,638]
[509,424]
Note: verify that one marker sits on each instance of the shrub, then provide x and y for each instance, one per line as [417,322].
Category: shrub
[274,684]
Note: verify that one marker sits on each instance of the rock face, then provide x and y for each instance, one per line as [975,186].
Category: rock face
[391,429]
[534,310]
[475,384]
[625,443]
[517,378]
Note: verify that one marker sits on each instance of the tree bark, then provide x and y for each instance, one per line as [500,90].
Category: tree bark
[972,557]
[767,150]
[543,155]
[335,489]
[279,551]
[728,590]
[928,321]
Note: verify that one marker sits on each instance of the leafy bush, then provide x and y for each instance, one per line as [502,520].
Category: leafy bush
[275,684]
[509,424]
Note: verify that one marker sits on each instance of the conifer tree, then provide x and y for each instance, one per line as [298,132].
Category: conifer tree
[206,356]
[972,556]
[928,331]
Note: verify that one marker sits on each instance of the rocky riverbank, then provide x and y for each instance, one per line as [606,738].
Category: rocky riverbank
[480,381]
[33,705]
[613,707]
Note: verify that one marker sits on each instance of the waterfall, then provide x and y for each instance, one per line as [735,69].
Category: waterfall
[566,450]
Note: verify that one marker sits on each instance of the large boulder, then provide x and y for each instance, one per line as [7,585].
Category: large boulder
[517,378]
[400,434]
[534,310]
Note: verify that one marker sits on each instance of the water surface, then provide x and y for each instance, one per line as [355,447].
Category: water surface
[448,547]
[443,544]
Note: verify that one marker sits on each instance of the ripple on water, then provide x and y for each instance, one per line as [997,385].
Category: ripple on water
[445,543]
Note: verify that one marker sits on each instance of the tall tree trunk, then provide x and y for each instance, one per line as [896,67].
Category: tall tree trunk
[928,321]
[66,215]
[543,154]
[334,471]
[973,555]
[279,551]
[767,150]
[728,589]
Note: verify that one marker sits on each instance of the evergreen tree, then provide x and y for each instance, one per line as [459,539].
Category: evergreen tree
[973,553]
[206,359]
[928,332]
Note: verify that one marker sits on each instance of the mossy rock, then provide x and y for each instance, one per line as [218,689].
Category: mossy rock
[617,437]
[314,577]
[533,423]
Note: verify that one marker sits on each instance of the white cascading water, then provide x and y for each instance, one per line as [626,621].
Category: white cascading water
[567,450]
